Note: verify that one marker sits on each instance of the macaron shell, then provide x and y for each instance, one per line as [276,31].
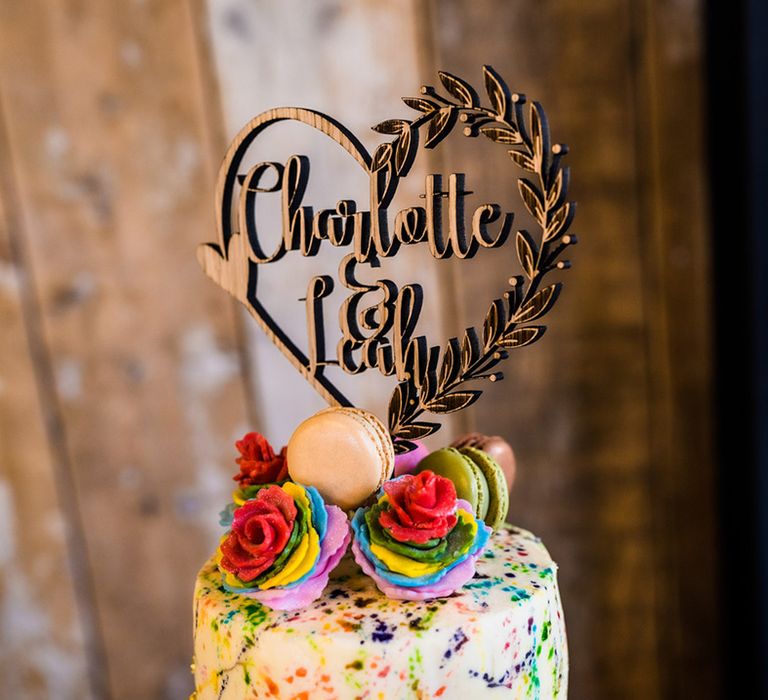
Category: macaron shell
[483,493]
[462,471]
[385,441]
[498,504]
[344,453]
[497,447]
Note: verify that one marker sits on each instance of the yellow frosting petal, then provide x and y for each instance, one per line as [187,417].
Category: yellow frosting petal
[399,564]
[300,562]
[468,517]
[307,551]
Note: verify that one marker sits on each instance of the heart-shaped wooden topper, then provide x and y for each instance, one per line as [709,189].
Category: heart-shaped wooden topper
[378,321]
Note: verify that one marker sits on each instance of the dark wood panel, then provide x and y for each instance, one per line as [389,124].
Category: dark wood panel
[609,412]
[678,270]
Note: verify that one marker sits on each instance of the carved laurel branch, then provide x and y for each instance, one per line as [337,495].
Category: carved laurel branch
[440,390]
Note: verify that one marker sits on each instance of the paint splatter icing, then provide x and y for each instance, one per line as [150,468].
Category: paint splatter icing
[502,634]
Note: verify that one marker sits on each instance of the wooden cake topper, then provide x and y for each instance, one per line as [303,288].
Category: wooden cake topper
[378,321]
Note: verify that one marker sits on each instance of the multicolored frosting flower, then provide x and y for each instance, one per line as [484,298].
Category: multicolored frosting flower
[283,543]
[418,541]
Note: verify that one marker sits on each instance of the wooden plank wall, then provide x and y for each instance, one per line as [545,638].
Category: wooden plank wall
[125,374]
[109,162]
[621,490]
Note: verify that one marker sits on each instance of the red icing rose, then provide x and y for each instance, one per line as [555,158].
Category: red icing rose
[260,530]
[258,462]
[422,507]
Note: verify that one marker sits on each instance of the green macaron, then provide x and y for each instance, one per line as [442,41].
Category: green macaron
[465,474]
[498,501]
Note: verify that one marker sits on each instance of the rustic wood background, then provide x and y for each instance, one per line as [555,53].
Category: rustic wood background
[125,375]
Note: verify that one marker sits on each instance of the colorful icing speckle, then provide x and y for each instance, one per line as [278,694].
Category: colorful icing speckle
[502,634]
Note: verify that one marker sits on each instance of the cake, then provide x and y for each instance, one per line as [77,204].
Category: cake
[501,635]
[356,562]
[434,598]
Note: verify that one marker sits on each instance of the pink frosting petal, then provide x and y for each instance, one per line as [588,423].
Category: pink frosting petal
[332,550]
[451,582]
[465,505]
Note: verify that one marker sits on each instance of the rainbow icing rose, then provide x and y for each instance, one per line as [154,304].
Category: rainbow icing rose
[418,541]
[283,543]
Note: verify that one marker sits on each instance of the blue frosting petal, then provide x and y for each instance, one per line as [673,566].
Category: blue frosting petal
[320,523]
[319,513]
[227,515]
[361,534]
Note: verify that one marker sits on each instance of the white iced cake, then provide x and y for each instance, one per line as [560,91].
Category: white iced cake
[501,635]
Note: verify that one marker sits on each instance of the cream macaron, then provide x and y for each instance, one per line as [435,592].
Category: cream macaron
[345,453]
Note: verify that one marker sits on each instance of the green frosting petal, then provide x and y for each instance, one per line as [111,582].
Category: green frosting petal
[248,493]
[461,538]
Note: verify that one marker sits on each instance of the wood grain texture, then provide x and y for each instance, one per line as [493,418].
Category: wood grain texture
[607,477]
[678,269]
[104,114]
[50,643]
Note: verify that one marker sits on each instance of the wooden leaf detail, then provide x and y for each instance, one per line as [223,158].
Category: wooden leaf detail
[523,160]
[559,221]
[404,152]
[539,135]
[414,431]
[440,126]
[513,297]
[470,348]
[381,156]
[396,405]
[494,321]
[429,387]
[502,134]
[526,252]
[454,401]
[497,91]
[558,188]
[391,126]
[459,88]
[522,336]
[538,305]
[531,198]
[451,364]
[421,104]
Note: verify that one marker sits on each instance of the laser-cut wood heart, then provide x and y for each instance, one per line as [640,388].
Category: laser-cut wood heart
[381,335]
